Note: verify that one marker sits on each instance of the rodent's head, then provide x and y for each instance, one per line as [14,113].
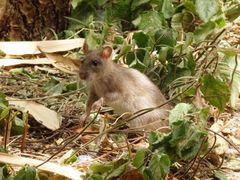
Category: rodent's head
[95,62]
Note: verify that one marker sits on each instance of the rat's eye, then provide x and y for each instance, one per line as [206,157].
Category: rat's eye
[95,62]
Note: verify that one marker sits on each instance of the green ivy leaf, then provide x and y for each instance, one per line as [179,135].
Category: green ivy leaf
[215,91]
[221,22]
[141,39]
[165,37]
[179,112]
[124,50]
[22,71]
[167,9]
[163,54]
[71,86]
[203,117]
[149,21]
[139,158]
[101,2]
[233,12]
[121,9]
[99,168]
[3,101]
[68,158]
[4,113]
[187,140]
[226,69]
[131,59]
[176,21]
[203,31]
[50,84]
[147,174]
[207,9]
[187,21]
[190,147]
[220,175]
[54,87]
[184,141]
[180,131]
[26,173]
[136,3]
[75,3]
[110,170]
[154,137]
[18,126]
[56,90]
[4,168]
[2,173]
[158,167]
[188,41]
[118,40]
[94,40]
[190,6]
[117,171]
[190,62]
[141,56]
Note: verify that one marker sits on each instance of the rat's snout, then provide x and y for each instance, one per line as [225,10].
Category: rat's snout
[83,75]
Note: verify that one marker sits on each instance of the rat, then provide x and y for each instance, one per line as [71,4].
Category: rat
[126,90]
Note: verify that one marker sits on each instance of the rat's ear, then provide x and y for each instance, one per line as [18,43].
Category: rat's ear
[106,52]
[85,48]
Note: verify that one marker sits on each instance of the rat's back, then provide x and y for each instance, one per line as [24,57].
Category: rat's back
[140,93]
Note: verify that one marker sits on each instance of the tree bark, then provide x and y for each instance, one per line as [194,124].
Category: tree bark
[32,19]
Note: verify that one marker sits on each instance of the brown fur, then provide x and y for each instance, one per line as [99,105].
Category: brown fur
[125,89]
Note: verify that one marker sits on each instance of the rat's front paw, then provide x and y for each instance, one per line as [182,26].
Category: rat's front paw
[82,119]
[97,104]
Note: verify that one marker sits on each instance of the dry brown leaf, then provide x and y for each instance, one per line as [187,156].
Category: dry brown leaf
[31,47]
[64,64]
[13,62]
[66,171]
[213,158]
[221,145]
[42,114]
[132,175]
[198,100]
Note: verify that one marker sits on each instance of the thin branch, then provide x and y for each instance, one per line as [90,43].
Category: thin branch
[199,150]
[233,145]
[71,140]
[234,70]
[52,96]
[211,44]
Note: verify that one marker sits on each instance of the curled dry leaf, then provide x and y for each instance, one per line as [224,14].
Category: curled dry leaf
[221,145]
[65,171]
[31,47]
[47,117]
[12,62]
